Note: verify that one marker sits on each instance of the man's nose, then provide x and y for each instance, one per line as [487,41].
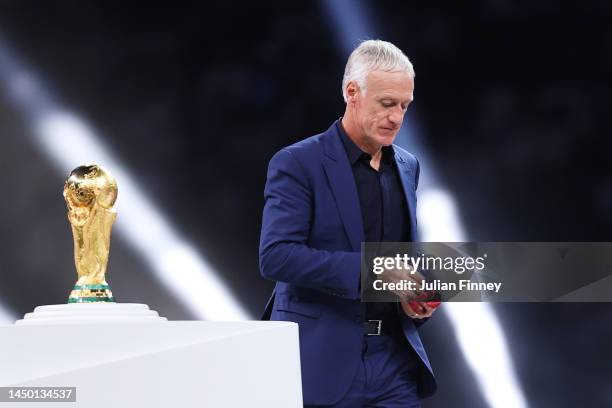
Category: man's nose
[396,116]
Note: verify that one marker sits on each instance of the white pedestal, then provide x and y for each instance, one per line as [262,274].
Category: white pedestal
[156,364]
[95,312]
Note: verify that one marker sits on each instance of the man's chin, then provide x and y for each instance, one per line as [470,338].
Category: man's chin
[386,140]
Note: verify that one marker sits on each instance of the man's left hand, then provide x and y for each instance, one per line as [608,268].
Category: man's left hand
[417,310]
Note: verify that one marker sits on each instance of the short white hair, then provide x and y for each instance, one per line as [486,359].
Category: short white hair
[374,55]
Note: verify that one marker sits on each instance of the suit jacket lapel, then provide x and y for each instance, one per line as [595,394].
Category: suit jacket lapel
[340,176]
[406,174]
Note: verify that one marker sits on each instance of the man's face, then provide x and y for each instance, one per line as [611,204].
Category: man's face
[380,110]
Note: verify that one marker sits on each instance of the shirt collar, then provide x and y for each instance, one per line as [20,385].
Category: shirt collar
[354,153]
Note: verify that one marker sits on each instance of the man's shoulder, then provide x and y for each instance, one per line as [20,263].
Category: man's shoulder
[405,155]
[308,145]
[309,149]
[313,144]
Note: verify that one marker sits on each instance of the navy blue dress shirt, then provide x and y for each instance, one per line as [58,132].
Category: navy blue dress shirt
[383,207]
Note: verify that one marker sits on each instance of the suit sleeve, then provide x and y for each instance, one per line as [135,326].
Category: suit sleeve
[287,216]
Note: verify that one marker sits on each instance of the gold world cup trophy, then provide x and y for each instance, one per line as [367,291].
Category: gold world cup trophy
[90,193]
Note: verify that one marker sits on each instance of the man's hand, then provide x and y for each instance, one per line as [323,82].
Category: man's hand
[401,275]
[417,310]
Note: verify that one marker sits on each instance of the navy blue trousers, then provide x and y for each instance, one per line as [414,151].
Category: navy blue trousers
[386,377]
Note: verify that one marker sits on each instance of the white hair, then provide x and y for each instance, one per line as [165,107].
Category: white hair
[374,55]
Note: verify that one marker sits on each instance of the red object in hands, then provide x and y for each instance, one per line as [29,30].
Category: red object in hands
[416,304]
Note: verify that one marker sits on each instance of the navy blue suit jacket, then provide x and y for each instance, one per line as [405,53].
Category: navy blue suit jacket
[310,245]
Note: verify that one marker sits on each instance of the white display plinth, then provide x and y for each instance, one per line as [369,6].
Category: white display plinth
[155,363]
[95,312]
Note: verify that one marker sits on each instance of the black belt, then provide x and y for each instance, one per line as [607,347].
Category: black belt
[378,327]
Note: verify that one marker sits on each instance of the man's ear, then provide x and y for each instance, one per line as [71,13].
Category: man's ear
[352,92]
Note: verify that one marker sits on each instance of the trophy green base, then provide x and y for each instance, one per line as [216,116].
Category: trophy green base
[91,293]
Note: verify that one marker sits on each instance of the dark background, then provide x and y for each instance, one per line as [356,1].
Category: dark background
[511,101]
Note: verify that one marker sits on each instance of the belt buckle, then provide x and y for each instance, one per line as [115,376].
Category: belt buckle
[378,327]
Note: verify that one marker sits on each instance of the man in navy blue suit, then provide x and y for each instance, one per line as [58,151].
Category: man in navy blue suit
[324,196]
